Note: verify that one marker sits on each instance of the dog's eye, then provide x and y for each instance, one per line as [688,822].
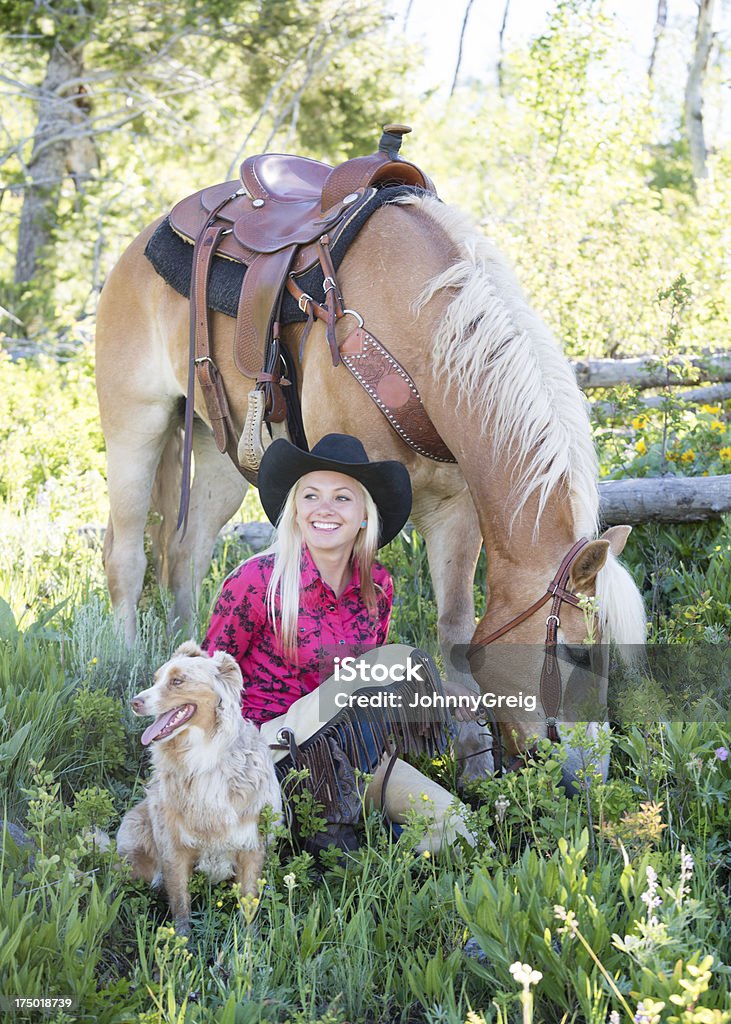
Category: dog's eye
[176,682]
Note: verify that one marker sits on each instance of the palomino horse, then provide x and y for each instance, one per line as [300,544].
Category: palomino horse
[494,383]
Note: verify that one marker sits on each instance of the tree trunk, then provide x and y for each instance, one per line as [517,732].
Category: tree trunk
[645,372]
[461,45]
[694,89]
[661,20]
[62,144]
[501,47]
[671,499]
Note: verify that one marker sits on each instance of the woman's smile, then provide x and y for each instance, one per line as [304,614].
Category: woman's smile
[330,510]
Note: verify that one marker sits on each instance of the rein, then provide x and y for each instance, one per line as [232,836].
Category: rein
[550,686]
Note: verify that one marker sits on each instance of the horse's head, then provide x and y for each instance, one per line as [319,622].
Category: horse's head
[540,652]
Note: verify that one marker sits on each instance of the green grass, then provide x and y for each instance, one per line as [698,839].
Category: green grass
[386,937]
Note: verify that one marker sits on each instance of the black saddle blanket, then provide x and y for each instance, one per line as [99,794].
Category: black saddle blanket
[172,258]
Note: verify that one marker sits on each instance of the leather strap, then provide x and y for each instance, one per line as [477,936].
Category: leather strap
[333,298]
[556,589]
[258,305]
[200,362]
[550,689]
[387,383]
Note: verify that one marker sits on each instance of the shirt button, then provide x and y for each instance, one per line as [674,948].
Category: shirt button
[331,608]
[341,641]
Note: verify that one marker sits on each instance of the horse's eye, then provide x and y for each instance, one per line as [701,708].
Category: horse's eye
[580,655]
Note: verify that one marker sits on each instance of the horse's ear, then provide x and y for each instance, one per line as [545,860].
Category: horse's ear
[228,670]
[189,649]
[617,537]
[587,564]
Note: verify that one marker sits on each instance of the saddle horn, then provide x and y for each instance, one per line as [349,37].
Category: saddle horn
[393,136]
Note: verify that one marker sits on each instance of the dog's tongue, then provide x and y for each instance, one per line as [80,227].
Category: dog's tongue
[154,730]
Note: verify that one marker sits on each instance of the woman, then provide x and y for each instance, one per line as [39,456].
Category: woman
[292,614]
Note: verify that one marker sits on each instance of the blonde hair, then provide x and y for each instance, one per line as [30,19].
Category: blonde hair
[285,579]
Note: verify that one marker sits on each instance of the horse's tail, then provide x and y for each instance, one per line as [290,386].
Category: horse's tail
[165,501]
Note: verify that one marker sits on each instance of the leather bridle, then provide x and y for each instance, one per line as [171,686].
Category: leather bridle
[550,686]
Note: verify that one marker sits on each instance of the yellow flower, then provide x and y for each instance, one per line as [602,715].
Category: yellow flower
[688,456]
[714,410]
[672,456]
[426,855]
[717,425]
[725,454]
[641,447]
[640,422]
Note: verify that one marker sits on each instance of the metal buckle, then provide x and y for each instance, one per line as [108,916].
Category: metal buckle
[357,316]
[204,359]
[558,621]
[303,300]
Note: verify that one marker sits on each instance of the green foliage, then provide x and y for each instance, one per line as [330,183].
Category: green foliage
[578,181]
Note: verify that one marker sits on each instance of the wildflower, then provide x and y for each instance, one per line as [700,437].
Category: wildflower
[641,447]
[424,797]
[426,855]
[640,422]
[219,903]
[290,881]
[650,897]
[721,753]
[613,1017]
[524,974]
[714,410]
[501,805]
[572,925]
[672,455]
[688,456]
[725,454]
[686,871]
[718,425]
[648,1012]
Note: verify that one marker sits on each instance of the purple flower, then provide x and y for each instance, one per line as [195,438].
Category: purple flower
[721,753]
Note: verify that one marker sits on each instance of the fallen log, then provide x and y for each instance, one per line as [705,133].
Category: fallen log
[669,499]
[703,396]
[646,371]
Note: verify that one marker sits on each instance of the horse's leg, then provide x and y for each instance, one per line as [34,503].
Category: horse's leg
[216,493]
[132,458]
[453,540]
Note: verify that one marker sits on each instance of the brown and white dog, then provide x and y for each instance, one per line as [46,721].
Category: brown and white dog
[213,775]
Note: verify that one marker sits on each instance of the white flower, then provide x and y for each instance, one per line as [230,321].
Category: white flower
[525,974]
[290,881]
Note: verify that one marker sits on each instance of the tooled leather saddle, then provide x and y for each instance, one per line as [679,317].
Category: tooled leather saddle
[279,220]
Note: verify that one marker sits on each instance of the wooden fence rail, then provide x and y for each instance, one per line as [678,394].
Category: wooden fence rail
[671,499]
[646,371]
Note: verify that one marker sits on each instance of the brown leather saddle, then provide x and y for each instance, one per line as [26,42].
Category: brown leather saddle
[278,221]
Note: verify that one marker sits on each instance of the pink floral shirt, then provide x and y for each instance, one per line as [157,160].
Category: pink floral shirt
[239,625]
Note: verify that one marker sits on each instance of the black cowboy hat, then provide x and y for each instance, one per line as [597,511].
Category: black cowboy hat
[388,483]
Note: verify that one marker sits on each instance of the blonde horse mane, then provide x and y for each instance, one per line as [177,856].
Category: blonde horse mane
[507,367]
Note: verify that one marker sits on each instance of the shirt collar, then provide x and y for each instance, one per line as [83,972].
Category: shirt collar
[310,575]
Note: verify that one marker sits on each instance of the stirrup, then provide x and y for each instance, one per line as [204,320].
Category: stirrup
[251,443]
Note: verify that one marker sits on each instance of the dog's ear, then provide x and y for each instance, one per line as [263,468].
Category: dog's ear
[189,649]
[228,671]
